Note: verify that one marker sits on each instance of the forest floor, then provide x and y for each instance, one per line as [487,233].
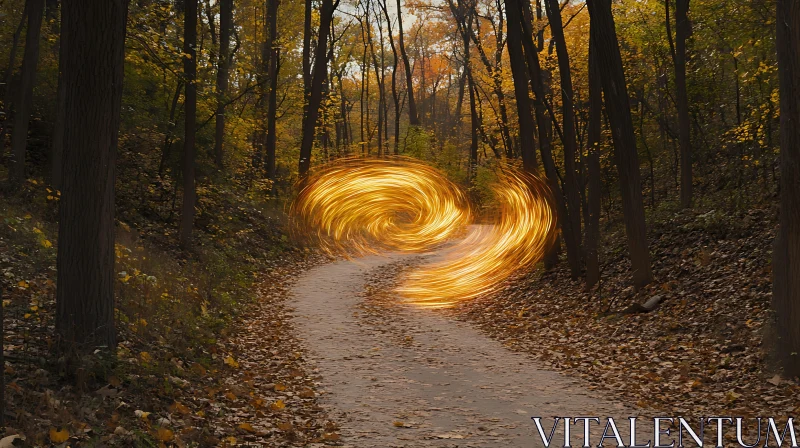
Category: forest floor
[309,352]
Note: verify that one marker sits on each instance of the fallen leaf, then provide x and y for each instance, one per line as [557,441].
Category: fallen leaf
[164,435]
[177,408]
[231,362]
[278,405]
[8,441]
[58,436]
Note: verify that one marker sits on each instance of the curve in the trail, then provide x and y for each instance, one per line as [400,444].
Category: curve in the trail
[450,387]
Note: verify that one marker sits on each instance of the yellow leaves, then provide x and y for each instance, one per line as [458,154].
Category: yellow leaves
[257,403]
[285,426]
[231,440]
[279,387]
[246,427]
[23,284]
[141,414]
[145,357]
[46,244]
[278,405]
[231,362]
[164,435]
[58,436]
[230,396]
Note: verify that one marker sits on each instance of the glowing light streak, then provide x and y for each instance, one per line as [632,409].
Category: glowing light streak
[366,206]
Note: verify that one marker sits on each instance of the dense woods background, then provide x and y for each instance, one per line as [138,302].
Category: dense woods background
[164,137]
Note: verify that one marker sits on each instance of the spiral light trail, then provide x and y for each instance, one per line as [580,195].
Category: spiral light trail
[371,205]
[490,254]
[364,206]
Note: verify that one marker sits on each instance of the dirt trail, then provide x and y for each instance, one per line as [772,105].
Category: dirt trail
[422,379]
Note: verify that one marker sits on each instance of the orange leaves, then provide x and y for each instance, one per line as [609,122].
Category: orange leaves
[59,435]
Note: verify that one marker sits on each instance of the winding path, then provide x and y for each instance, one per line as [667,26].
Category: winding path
[421,379]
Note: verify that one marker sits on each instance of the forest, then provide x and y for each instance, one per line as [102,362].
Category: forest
[157,156]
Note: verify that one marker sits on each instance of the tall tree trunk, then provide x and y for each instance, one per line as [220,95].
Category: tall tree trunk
[413,117]
[395,94]
[57,150]
[363,98]
[223,64]
[317,83]
[527,140]
[24,102]
[307,48]
[473,111]
[190,123]
[378,78]
[525,16]
[569,136]
[475,124]
[8,89]
[272,106]
[169,133]
[593,167]
[683,30]
[786,258]
[85,291]
[618,109]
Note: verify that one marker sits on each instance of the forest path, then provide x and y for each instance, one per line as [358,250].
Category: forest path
[417,378]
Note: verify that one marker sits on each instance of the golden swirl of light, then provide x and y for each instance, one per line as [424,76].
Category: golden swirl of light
[479,263]
[371,205]
[365,206]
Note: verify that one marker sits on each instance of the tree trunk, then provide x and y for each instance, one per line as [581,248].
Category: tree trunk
[57,150]
[272,106]
[683,30]
[545,132]
[85,291]
[378,78]
[190,123]
[8,75]
[168,134]
[473,111]
[594,132]
[307,49]
[317,83]
[527,140]
[786,261]
[413,117]
[395,94]
[619,115]
[569,136]
[24,102]
[223,64]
